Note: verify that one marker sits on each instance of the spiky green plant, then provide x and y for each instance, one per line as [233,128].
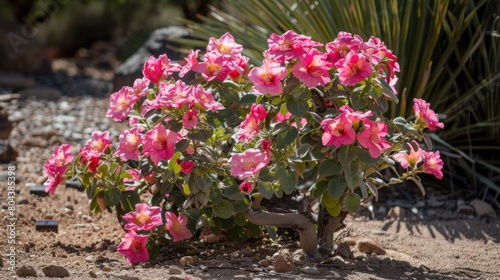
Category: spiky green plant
[448,51]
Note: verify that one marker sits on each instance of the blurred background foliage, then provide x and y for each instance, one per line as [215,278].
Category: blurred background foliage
[448,50]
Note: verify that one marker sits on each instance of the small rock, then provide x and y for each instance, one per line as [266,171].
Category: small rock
[41,93]
[397,213]
[173,277]
[338,261]
[344,250]
[466,210]
[22,200]
[431,212]
[26,247]
[26,271]
[107,268]
[246,252]
[189,260]
[281,264]
[264,263]
[112,247]
[38,142]
[483,208]
[90,259]
[55,271]
[369,247]
[92,274]
[309,270]
[16,81]
[175,270]
[376,232]
[101,246]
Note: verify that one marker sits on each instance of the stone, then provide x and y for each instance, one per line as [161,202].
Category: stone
[175,270]
[89,259]
[281,264]
[92,274]
[26,271]
[189,260]
[369,247]
[41,93]
[55,271]
[310,270]
[344,250]
[246,252]
[106,268]
[483,209]
[338,261]
[264,263]
[22,200]
[122,276]
[466,210]
[397,213]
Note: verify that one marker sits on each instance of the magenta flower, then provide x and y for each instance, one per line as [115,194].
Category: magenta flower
[312,69]
[205,100]
[61,157]
[177,226]
[129,141]
[98,142]
[342,45]
[246,187]
[353,69]
[187,166]
[168,67]
[355,116]
[90,158]
[133,247]
[338,131]
[153,69]
[425,116]
[249,128]
[212,68]
[190,119]
[239,67]
[372,137]
[248,163]
[174,95]
[191,61]
[410,160]
[267,78]
[433,164]
[288,46]
[143,218]
[226,45]
[266,145]
[259,111]
[159,143]
[55,177]
[120,103]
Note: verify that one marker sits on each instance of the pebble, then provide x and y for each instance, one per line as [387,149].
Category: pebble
[189,260]
[465,210]
[483,209]
[55,271]
[90,259]
[264,263]
[112,247]
[309,270]
[246,252]
[106,268]
[281,264]
[369,247]
[338,261]
[92,274]
[175,270]
[22,200]
[26,271]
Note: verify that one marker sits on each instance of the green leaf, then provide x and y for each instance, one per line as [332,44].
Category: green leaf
[272,232]
[318,189]
[288,181]
[328,202]
[173,161]
[303,150]
[337,186]
[233,192]
[297,108]
[112,196]
[254,230]
[334,211]
[387,89]
[200,134]
[153,249]
[265,175]
[216,228]
[400,123]
[238,234]
[240,220]
[329,167]
[300,93]
[215,196]
[287,137]
[224,210]
[365,157]
[157,199]
[203,183]
[241,205]
[347,154]
[248,99]
[265,189]
[351,174]
[352,202]
[182,145]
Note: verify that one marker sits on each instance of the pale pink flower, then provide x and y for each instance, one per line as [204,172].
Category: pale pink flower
[133,247]
[129,141]
[190,119]
[168,67]
[353,69]
[372,137]
[61,157]
[191,60]
[143,218]
[174,95]
[98,142]
[205,100]
[338,131]
[312,69]
[267,78]
[212,68]
[288,46]
[410,160]
[248,163]
[226,45]
[249,128]
[342,45]
[177,226]
[433,164]
[140,87]
[355,116]
[120,103]
[159,143]
[153,69]
[425,116]
[246,187]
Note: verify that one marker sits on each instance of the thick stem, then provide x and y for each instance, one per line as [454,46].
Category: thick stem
[327,226]
[295,221]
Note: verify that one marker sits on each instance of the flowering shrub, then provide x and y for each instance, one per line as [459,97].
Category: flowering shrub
[206,152]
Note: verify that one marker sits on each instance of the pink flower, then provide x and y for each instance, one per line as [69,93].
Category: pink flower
[248,163]
[187,166]
[90,158]
[120,103]
[338,131]
[55,177]
[159,143]
[355,116]
[280,118]
[353,69]
[177,226]
[425,116]
[133,247]
[267,78]
[342,45]
[409,160]
[433,164]
[266,145]
[249,128]
[153,69]
[288,46]
[174,95]
[98,142]
[259,111]
[240,67]
[168,67]
[140,87]
[205,100]
[372,137]
[190,119]
[144,217]
[61,157]
[312,69]
[129,141]
[226,45]
[212,68]
[191,61]
[246,187]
